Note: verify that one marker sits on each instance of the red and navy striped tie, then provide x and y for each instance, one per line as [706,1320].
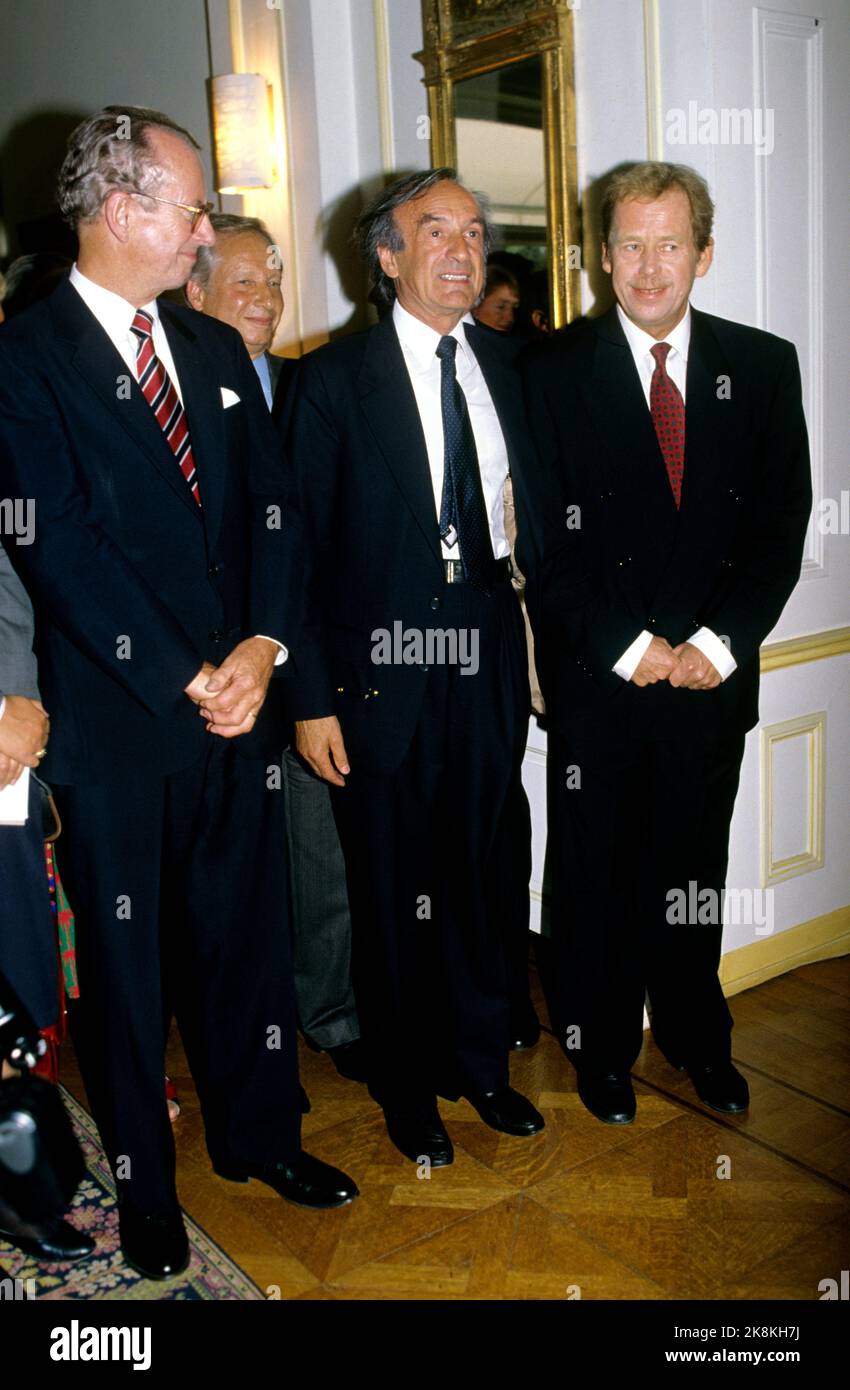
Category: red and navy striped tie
[159,392]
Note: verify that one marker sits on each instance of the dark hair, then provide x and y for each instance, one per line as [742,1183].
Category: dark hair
[648,181]
[225,224]
[376,225]
[32,277]
[498,275]
[111,150]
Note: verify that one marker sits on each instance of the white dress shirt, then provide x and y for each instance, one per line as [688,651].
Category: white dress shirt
[115,315]
[419,345]
[641,345]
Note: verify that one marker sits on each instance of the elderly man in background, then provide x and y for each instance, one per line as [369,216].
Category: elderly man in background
[239,281]
[157,570]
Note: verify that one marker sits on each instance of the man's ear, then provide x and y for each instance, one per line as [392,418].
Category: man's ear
[606,259]
[389,265]
[116,214]
[195,295]
[706,256]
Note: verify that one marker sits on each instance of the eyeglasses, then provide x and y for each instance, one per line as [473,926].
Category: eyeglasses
[198,214]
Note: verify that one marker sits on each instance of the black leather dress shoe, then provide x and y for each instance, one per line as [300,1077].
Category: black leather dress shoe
[308,1182]
[419,1133]
[155,1246]
[507,1111]
[350,1060]
[721,1087]
[610,1096]
[524,1030]
[55,1241]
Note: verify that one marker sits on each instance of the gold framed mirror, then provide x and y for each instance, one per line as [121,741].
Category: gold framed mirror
[509,63]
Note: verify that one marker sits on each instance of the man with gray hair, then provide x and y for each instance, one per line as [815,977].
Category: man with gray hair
[401,439]
[239,281]
[157,570]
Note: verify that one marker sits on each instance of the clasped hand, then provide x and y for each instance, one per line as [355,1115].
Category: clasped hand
[229,696]
[24,731]
[685,666]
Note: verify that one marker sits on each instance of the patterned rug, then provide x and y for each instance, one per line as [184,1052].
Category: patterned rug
[104,1275]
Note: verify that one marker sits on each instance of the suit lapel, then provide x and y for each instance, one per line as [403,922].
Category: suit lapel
[103,371]
[389,404]
[504,387]
[615,399]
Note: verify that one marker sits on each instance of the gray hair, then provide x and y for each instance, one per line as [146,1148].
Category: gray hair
[111,151]
[376,225]
[225,224]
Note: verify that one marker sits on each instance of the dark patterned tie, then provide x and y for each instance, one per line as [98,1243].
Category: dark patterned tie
[668,417]
[159,392]
[462,511]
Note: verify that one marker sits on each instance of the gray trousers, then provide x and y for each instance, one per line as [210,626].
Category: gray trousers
[321,924]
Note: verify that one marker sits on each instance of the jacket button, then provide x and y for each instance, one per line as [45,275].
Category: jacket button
[435,603]
[624,560]
[423,667]
[215,569]
[216,635]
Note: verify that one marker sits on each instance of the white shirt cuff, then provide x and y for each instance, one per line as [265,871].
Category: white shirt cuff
[283,653]
[2,705]
[717,652]
[630,660]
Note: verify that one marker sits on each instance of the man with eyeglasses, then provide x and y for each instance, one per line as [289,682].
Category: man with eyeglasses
[156,565]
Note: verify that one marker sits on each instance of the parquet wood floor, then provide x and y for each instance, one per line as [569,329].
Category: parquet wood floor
[585,1209]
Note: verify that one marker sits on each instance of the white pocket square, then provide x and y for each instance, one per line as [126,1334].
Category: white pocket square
[228,397]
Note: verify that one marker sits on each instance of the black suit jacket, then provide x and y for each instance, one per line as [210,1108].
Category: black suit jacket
[727,559]
[133,585]
[282,371]
[354,439]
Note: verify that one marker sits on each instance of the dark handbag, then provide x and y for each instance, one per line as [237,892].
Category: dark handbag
[41,1162]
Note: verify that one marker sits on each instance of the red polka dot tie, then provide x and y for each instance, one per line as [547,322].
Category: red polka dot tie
[668,417]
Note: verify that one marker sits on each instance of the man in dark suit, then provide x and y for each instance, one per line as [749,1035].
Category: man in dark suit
[239,281]
[411,689]
[679,444]
[161,541]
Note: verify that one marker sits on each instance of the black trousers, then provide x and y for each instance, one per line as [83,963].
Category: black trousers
[424,851]
[625,839]
[179,887]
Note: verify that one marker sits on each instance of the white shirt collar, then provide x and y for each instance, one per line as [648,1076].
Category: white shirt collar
[420,341]
[642,343]
[111,311]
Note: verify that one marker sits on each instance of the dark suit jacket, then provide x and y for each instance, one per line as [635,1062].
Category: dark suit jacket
[133,585]
[354,439]
[282,371]
[728,559]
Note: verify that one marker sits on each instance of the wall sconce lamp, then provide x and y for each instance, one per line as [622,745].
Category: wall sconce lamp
[242,128]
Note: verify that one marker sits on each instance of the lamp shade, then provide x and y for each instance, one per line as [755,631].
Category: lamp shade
[244,157]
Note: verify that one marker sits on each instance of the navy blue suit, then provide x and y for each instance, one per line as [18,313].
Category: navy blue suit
[173,839]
